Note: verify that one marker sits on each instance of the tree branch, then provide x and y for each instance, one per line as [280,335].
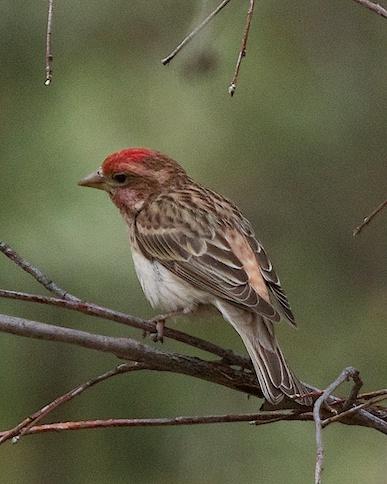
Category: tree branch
[259,418]
[49,57]
[345,375]
[374,7]
[69,301]
[130,349]
[36,273]
[195,31]
[369,218]
[214,372]
[149,326]
[242,50]
[24,427]
[351,411]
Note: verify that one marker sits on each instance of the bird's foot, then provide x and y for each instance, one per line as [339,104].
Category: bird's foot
[158,334]
[160,320]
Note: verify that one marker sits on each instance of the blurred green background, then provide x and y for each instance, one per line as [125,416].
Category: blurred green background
[301,148]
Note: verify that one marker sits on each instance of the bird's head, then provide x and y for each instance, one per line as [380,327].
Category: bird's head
[132,175]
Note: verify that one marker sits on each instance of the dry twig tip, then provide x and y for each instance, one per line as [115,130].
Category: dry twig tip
[368,219]
[195,31]
[374,7]
[242,50]
[49,57]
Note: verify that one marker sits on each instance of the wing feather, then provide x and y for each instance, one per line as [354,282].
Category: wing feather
[196,249]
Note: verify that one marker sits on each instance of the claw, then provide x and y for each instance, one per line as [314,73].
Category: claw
[158,335]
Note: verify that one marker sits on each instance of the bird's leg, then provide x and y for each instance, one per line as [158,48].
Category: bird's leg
[160,321]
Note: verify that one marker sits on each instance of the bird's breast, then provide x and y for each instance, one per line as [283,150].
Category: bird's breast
[163,289]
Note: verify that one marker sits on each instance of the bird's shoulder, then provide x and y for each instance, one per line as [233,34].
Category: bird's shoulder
[191,205]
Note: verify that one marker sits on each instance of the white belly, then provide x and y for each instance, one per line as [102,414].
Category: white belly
[163,289]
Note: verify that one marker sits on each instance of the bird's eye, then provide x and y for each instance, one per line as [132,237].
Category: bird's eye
[120,177]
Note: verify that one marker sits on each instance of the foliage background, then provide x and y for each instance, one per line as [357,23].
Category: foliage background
[302,149]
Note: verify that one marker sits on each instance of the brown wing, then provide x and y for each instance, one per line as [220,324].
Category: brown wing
[278,296]
[198,246]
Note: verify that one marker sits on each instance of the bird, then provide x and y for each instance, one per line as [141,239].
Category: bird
[192,247]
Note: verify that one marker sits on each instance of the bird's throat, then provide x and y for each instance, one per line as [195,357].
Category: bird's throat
[128,201]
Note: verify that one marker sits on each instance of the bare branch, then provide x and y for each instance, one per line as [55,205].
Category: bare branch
[72,302]
[192,34]
[369,218]
[242,51]
[259,418]
[130,349]
[375,7]
[352,410]
[23,427]
[37,274]
[49,57]
[368,395]
[358,383]
[145,357]
[92,309]
[323,399]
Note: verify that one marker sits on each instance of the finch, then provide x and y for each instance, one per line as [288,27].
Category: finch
[193,247]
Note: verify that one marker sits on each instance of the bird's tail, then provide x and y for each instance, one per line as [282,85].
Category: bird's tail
[275,377]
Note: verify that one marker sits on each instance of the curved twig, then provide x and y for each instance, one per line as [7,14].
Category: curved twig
[36,273]
[374,7]
[323,400]
[23,427]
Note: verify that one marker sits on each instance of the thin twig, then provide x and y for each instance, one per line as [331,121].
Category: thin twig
[37,274]
[352,410]
[128,320]
[49,57]
[278,415]
[242,50]
[323,399]
[260,418]
[23,427]
[192,34]
[369,218]
[376,393]
[375,7]
[353,394]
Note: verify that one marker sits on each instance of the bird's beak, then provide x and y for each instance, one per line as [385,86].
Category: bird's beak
[94,180]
